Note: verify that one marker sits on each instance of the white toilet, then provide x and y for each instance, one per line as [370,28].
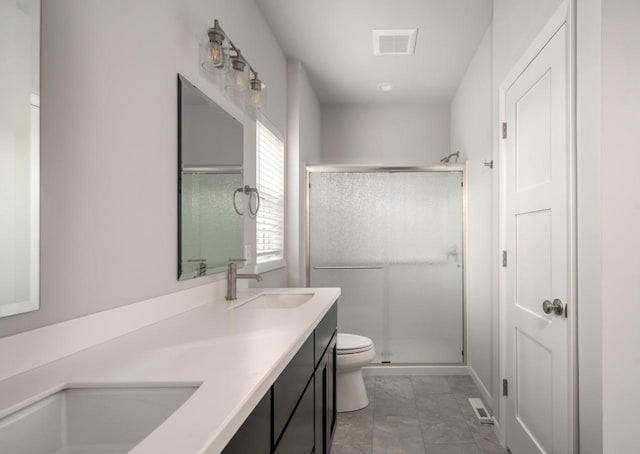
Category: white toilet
[353,352]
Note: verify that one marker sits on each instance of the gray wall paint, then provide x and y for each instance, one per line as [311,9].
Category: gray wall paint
[471,112]
[589,140]
[384,134]
[303,148]
[620,224]
[109,143]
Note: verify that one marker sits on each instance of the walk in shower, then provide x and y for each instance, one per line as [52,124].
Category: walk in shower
[393,239]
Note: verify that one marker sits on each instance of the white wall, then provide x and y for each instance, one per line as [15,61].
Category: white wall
[109,143]
[304,116]
[415,133]
[620,221]
[471,111]
[589,138]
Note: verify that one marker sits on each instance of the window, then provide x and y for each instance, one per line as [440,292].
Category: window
[270,217]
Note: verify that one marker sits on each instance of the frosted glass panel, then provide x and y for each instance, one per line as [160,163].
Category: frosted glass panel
[211,229]
[403,233]
[361,303]
[347,218]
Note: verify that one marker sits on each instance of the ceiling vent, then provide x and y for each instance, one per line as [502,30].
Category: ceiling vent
[395,42]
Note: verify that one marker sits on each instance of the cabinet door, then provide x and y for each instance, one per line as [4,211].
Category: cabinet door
[332,409]
[321,378]
[254,435]
[298,437]
[325,385]
[289,386]
[325,330]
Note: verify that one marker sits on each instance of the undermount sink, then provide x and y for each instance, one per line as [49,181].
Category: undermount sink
[90,420]
[276,301]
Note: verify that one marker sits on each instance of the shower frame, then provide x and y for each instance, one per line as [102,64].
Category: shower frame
[400,368]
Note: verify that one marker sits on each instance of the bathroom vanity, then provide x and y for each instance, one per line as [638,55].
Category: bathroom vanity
[298,413]
[256,375]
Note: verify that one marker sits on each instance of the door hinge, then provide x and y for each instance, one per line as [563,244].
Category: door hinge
[504,130]
[505,387]
[504,258]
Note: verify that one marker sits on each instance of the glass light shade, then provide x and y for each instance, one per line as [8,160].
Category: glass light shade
[216,54]
[257,94]
[237,79]
[213,58]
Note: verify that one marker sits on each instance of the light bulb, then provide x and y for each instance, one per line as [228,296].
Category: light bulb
[238,79]
[216,54]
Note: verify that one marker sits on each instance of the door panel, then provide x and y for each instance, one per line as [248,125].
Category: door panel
[533,150]
[533,243]
[537,237]
[533,401]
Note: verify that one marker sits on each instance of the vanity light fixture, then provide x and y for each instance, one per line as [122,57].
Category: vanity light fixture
[228,60]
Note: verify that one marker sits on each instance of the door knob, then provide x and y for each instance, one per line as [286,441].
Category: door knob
[556,307]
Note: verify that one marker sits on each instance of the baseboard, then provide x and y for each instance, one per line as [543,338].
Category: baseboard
[484,392]
[396,370]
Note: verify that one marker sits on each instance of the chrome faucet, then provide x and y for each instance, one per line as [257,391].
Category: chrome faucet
[233,276]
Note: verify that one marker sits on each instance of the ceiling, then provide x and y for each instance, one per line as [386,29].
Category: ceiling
[333,40]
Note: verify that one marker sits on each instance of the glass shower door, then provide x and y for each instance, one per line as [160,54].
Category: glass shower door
[393,242]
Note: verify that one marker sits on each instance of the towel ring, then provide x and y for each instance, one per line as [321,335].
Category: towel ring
[247,190]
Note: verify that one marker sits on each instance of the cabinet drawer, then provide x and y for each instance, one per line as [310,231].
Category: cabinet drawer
[254,435]
[289,386]
[298,438]
[324,331]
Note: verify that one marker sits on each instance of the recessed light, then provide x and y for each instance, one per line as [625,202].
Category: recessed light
[384,86]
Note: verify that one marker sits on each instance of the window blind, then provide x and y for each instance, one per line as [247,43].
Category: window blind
[270,180]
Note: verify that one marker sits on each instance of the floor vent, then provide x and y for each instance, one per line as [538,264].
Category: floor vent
[480,410]
[394,42]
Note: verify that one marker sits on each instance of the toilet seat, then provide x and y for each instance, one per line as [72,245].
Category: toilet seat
[349,344]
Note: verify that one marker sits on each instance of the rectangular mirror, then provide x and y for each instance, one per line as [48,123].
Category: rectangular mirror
[19,156]
[210,151]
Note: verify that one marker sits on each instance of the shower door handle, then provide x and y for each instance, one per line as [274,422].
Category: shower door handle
[356,267]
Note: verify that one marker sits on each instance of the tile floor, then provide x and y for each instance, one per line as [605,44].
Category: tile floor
[416,415]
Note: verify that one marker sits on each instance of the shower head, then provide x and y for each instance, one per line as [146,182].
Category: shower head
[446,159]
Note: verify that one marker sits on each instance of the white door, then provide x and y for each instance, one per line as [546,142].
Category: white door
[537,210]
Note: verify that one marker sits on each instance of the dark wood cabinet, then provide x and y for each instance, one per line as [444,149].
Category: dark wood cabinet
[289,386]
[325,399]
[298,414]
[298,436]
[325,330]
[254,435]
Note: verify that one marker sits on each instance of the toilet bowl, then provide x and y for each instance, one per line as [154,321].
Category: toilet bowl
[353,352]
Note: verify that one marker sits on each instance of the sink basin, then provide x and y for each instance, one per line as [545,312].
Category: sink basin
[276,301]
[90,420]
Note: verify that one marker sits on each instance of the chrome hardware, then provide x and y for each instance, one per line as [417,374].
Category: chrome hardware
[202,266]
[488,164]
[557,307]
[358,267]
[247,190]
[233,276]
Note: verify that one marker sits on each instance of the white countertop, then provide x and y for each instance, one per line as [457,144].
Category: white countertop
[234,354]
